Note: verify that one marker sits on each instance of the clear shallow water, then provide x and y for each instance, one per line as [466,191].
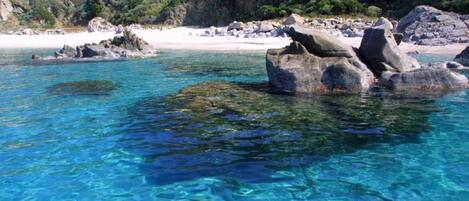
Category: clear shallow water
[132,144]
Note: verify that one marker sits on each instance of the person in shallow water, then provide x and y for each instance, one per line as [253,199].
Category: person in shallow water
[238,130]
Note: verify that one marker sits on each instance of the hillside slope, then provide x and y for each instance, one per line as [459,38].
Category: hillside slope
[52,13]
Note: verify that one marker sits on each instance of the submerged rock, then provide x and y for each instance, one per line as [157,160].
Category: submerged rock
[87,87]
[244,125]
[338,120]
[463,57]
[426,25]
[380,51]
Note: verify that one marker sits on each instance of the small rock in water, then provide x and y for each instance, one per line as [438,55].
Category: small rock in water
[87,87]
[463,57]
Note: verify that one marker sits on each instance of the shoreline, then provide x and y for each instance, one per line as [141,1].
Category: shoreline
[184,38]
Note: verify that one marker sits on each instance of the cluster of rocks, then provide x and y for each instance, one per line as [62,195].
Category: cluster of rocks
[344,27]
[258,29]
[99,24]
[36,32]
[426,25]
[317,63]
[338,26]
[120,47]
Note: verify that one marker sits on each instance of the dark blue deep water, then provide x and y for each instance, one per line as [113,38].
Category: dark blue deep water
[119,138]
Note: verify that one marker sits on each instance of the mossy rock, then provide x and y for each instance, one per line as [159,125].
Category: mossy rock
[86,87]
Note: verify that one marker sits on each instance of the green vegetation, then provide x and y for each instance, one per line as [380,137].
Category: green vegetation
[40,13]
[47,13]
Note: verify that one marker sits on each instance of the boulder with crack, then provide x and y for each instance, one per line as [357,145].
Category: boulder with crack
[380,51]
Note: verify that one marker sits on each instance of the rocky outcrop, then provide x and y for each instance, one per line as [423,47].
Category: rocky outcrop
[423,80]
[426,25]
[380,51]
[257,29]
[315,64]
[98,24]
[6,9]
[66,51]
[120,47]
[463,57]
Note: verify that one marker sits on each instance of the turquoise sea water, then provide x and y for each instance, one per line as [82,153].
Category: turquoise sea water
[127,145]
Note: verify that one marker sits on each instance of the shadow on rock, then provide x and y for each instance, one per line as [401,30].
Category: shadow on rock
[246,132]
[87,87]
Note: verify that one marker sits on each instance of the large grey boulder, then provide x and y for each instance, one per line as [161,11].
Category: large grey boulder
[6,9]
[424,80]
[294,19]
[265,26]
[426,25]
[381,52]
[294,69]
[463,57]
[236,26]
[383,23]
[320,43]
[99,24]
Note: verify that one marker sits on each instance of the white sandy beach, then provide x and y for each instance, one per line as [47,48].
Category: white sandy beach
[187,38]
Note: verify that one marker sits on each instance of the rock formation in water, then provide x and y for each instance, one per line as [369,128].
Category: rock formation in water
[315,63]
[463,57]
[426,25]
[86,87]
[423,80]
[120,47]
